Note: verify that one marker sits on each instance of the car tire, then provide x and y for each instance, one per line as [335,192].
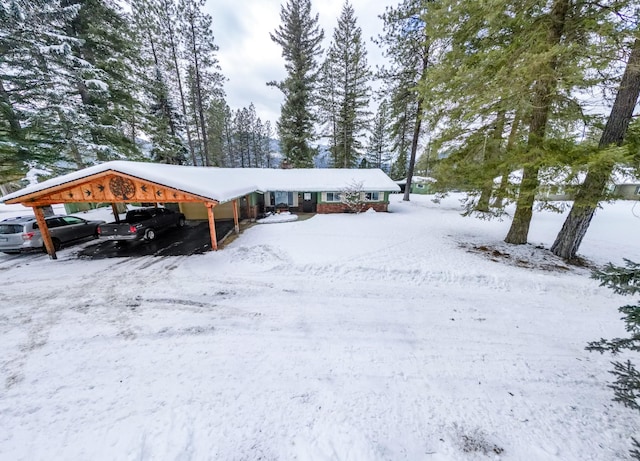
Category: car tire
[181,221]
[56,245]
[150,234]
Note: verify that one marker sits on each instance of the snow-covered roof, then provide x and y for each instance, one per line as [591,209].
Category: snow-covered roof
[224,184]
[624,176]
[320,179]
[416,180]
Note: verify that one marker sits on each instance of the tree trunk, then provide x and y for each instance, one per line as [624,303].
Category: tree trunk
[200,106]
[519,229]
[592,190]
[541,102]
[174,57]
[502,189]
[414,149]
[491,156]
[416,128]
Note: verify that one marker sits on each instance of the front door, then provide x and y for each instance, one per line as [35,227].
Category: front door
[309,200]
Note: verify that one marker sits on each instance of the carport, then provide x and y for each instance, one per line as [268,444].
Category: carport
[132,182]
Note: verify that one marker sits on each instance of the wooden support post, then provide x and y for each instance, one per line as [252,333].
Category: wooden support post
[235,216]
[44,231]
[212,225]
[116,215]
[249,214]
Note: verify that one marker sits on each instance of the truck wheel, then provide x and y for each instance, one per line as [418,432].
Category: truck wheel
[181,222]
[150,234]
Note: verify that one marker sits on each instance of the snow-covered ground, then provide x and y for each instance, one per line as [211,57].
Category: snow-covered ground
[411,335]
[274,218]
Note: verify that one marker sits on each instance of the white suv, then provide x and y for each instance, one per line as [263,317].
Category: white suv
[22,233]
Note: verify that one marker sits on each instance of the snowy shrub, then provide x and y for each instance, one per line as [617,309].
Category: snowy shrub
[352,197]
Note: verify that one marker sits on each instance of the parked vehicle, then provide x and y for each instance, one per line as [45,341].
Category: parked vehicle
[141,223]
[22,233]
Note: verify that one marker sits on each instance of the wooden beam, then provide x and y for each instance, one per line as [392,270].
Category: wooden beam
[26,198]
[44,231]
[116,215]
[249,213]
[212,225]
[236,227]
[96,188]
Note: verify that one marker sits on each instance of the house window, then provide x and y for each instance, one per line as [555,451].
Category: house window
[637,190]
[372,196]
[281,199]
[333,196]
[420,186]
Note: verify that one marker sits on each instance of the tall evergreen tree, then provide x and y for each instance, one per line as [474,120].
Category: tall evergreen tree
[203,69]
[379,148]
[300,37]
[35,64]
[217,118]
[543,93]
[97,128]
[592,191]
[525,65]
[167,18]
[347,64]
[408,49]
[160,116]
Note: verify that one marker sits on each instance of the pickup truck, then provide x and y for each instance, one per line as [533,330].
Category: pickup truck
[141,223]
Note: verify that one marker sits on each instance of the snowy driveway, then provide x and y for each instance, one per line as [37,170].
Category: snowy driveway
[192,239]
[350,337]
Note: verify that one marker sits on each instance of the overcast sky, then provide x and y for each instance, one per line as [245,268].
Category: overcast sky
[249,58]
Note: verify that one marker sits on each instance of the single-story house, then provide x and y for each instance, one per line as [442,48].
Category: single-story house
[419,184]
[233,192]
[561,184]
[625,185]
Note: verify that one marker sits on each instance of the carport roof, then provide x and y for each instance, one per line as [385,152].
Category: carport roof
[224,184]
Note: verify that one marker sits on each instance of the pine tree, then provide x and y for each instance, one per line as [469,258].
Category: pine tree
[217,119]
[527,63]
[347,64]
[97,126]
[399,166]
[327,103]
[203,71]
[166,17]
[408,49]
[593,189]
[35,60]
[160,117]
[379,148]
[300,37]
[626,388]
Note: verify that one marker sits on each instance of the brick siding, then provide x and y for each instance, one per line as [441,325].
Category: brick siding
[325,208]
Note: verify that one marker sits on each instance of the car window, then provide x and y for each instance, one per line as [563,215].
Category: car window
[55,222]
[137,216]
[10,229]
[73,220]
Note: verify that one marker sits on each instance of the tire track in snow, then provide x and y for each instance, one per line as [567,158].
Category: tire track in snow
[440,278]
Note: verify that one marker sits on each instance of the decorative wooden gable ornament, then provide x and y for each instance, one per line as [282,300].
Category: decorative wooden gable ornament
[108,187]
